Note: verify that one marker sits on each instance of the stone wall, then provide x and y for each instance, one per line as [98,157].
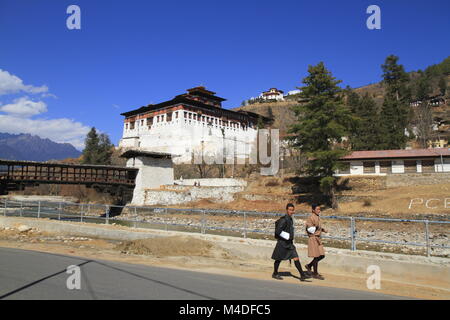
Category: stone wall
[213,182]
[413,179]
[363,183]
[171,195]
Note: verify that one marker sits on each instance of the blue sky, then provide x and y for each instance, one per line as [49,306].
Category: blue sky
[58,83]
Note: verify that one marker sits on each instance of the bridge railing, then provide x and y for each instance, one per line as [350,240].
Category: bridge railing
[353,232]
[17,171]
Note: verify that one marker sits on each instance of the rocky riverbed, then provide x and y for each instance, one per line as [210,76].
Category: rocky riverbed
[401,232]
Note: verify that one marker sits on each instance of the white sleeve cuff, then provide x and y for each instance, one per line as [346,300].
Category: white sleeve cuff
[311,229]
[284,235]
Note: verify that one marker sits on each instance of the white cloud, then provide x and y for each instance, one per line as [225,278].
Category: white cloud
[10,84]
[58,130]
[23,107]
[19,114]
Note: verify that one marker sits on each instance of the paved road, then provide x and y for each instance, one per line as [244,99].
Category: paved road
[36,275]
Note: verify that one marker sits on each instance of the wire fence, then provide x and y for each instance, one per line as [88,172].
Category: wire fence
[379,234]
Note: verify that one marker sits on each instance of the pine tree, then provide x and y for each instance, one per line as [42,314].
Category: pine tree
[442,86]
[98,148]
[322,123]
[270,113]
[105,149]
[260,123]
[423,88]
[366,132]
[395,112]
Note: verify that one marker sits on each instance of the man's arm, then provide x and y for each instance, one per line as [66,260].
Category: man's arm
[281,226]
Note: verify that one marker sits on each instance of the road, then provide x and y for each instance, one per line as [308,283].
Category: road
[37,275]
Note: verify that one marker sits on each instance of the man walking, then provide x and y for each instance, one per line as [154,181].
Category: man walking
[285,249]
[315,247]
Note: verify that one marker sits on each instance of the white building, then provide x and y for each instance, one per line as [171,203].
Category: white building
[384,162]
[272,94]
[189,126]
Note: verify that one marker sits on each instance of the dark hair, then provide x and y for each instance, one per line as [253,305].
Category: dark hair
[314,206]
[289,205]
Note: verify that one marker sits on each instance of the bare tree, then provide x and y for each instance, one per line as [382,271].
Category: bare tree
[424,122]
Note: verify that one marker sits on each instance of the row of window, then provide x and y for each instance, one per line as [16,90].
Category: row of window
[410,166]
[186,115]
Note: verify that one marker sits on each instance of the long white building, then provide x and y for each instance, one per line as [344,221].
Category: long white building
[189,126]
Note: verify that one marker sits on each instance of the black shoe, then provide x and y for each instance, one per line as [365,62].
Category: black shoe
[318,276]
[277,276]
[305,275]
[303,278]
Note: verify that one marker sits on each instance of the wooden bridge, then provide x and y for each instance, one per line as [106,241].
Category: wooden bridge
[14,175]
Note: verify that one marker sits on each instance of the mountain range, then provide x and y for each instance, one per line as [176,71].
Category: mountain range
[33,148]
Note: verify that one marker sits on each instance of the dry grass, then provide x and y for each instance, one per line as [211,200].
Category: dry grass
[168,246]
[395,201]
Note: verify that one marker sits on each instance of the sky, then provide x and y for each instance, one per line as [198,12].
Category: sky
[57,82]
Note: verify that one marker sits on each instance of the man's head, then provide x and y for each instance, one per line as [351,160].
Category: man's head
[316,209]
[290,209]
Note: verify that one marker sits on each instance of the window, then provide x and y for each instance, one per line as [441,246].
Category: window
[126,126]
[385,167]
[132,125]
[176,115]
[410,166]
[169,116]
[369,166]
[427,165]
[149,121]
[185,114]
[345,168]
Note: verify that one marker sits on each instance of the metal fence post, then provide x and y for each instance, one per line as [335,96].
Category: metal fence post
[352,233]
[427,236]
[81,213]
[39,209]
[245,225]
[59,210]
[4,212]
[165,220]
[135,217]
[203,222]
[21,207]
[106,214]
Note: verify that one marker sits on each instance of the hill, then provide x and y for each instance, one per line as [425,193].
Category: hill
[281,111]
[434,74]
[33,148]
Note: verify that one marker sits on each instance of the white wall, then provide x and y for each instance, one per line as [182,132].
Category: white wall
[356,167]
[213,182]
[442,166]
[398,166]
[153,172]
[184,137]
